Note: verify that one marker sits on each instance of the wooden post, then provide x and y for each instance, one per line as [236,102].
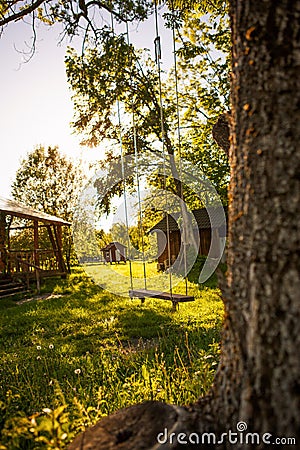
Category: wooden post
[58,236]
[3,254]
[53,243]
[8,245]
[36,242]
[35,254]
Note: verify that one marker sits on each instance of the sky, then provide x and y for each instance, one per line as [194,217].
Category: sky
[36,106]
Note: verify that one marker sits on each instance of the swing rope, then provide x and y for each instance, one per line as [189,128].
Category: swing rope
[138,190]
[178,134]
[142,293]
[123,175]
[157,43]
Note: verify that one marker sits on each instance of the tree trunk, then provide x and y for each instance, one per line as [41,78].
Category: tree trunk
[257,381]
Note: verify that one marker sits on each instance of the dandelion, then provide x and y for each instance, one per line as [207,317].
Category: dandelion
[33,422]
[77,371]
[51,346]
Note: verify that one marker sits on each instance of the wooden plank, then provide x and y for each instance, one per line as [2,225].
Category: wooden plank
[36,255]
[51,237]
[36,242]
[58,238]
[175,298]
[3,256]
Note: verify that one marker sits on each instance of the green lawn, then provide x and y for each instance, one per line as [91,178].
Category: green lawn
[83,353]
[116,278]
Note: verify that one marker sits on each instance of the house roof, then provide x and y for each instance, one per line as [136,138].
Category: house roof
[210,217]
[204,217]
[16,209]
[115,244]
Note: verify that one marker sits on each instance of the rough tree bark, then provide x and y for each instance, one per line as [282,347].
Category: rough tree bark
[221,132]
[258,377]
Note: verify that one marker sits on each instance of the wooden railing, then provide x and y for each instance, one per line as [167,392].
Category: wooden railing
[30,264]
[27,260]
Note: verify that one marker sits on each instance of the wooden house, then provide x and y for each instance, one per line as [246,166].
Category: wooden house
[203,230]
[36,262]
[115,252]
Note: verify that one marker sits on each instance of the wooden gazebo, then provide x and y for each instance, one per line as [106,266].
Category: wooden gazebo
[34,263]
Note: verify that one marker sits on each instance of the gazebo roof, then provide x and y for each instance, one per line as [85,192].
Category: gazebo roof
[16,209]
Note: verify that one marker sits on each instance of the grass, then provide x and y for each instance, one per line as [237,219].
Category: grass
[83,353]
[116,277]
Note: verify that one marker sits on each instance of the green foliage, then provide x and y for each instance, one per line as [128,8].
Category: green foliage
[204,61]
[3,7]
[115,72]
[82,354]
[71,13]
[50,182]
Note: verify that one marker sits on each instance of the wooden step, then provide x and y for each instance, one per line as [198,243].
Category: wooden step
[12,288]
[5,280]
[14,294]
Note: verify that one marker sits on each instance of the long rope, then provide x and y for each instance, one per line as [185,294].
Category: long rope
[158,58]
[140,215]
[179,137]
[123,177]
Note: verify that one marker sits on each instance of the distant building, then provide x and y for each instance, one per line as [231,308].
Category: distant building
[33,263]
[205,231]
[114,252]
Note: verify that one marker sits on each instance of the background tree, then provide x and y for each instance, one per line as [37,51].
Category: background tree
[115,79]
[50,182]
[117,72]
[203,61]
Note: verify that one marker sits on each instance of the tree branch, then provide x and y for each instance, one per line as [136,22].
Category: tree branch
[22,13]
[106,7]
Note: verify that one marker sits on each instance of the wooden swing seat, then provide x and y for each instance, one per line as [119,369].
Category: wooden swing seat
[175,298]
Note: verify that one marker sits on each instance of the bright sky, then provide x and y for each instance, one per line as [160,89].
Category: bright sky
[36,106]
